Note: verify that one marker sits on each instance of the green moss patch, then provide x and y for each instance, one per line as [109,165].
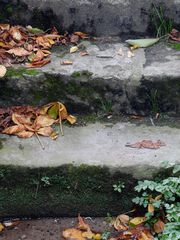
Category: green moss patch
[19,72]
[63,191]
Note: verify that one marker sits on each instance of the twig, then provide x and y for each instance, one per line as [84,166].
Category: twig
[60,124]
[39,140]
[152,121]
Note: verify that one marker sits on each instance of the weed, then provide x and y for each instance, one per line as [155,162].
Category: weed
[119,187]
[175,46]
[153,97]
[106,106]
[162,198]
[162,24]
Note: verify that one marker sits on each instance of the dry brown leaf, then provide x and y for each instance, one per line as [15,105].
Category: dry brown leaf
[84,53]
[45,131]
[72,233]
[147,144]
[66,62]
[4,26]
[24,134]
[16,34]
[38,63]
[88,234]
[121,222]
[43,121]
[82,225]
[81,35]
[159,226]
[21,119]
[13,129]
[19,51]
[3,71]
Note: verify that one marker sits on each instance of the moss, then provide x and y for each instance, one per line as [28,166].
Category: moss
[175,46]
[72,189]
[81,74]
[19,72]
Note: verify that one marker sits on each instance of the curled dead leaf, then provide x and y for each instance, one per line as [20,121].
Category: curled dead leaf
[137,220]
[82,225]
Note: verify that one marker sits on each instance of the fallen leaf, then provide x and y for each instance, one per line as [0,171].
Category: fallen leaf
[121,222]
[1,227]
[66,62]
[137,220]
[88,234]
[150,208]
[3,71]
[146,144]
[82,225]
[81,35]
[143,42]
[71,119]
[175,35]
[159,226]
[130,54]
[73,49]
[120,52]
[19,51]
[72,233]
[13,129]
[84,53]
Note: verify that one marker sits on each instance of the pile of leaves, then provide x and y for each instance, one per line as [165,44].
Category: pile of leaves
[31,45]
[125,227]
[26,121]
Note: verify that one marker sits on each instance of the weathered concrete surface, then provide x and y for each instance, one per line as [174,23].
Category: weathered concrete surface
[147,82]
[100,17]
[96,144]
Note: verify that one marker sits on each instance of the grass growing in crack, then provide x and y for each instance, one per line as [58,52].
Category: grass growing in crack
[162,24]
[153,97]
[106,106]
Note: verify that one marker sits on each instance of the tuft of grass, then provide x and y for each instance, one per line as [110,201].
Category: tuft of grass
[162,24]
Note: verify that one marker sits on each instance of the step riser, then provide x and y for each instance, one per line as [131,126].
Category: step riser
[98,17]
[88,94]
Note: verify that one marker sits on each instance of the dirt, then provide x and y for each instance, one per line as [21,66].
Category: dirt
[49,229]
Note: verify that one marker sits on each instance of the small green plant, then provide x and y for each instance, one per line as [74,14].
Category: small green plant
[153,97]
[105,235]
[119,187]
[162,24]
[106,106]
[161,198]
[46,181]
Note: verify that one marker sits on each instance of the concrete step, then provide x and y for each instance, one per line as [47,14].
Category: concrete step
[76,173]
[98,17]
[145,83]
[96,144]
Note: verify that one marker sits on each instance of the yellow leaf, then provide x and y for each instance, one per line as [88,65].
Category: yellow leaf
[71,119]
[88,234]
[137,220]
[1,227]
[73,49]
[72,233]
[150,208]
[97,236]
[158,197]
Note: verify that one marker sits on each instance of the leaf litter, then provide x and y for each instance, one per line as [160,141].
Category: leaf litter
[32,45]
[27,121]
